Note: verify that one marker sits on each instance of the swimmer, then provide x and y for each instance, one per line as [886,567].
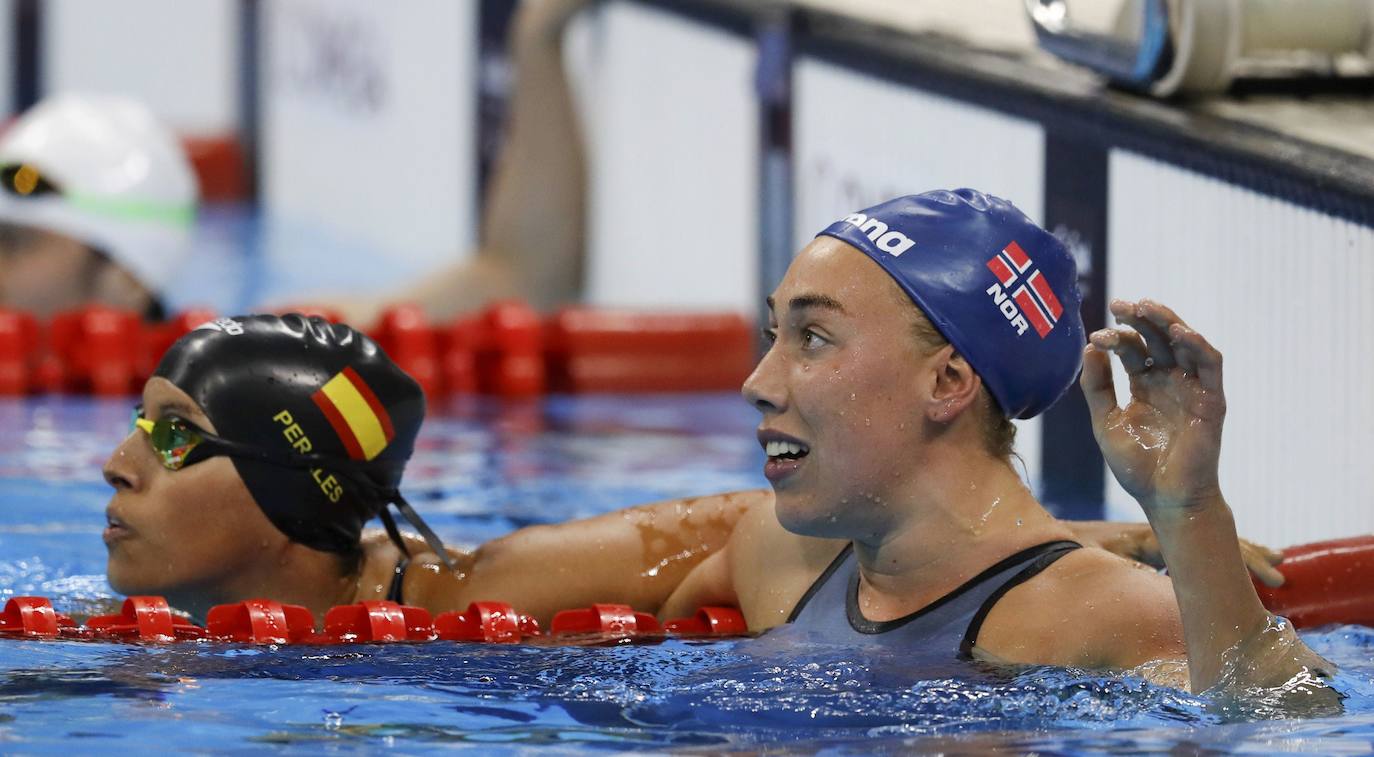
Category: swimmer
[78,225]
[903,339]
[261,447]
[265,443]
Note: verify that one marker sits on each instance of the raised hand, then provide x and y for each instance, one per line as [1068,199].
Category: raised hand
[1164,445]
[542,21]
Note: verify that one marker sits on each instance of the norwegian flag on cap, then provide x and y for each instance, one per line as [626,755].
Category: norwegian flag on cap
[1034,296]
[939,248]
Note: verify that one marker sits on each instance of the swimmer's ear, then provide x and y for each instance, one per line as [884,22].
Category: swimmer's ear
[956,386]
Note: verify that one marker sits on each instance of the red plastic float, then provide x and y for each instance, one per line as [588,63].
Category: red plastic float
[18,345]
[93,350]
[377,620]
[710,621]
[405,334]
[491,622]
[265,621]
[510,359]
[458,345]
[33,617]
[594,350]
[144,619]
[506,350]
[1324,583]
[604,619]
[260,621]
[221,166]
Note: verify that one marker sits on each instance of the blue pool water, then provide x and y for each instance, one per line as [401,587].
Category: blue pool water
[482,469]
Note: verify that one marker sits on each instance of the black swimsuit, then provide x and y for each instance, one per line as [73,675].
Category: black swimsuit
[945,629]
[397,581]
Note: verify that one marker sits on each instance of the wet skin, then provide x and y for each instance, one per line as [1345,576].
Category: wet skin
[194,535]
[44,273]
[838,381]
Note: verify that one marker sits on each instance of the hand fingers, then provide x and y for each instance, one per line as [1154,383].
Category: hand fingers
[1257,559]
[1147,549]
[1161,315]
[1156,338]
[1098,388]
[1271,556]
[1197,356]
[1128,346]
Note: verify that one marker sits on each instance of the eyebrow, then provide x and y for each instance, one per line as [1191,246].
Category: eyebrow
[808,301]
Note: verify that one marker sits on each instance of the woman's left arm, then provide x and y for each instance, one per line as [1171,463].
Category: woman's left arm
[1164,448]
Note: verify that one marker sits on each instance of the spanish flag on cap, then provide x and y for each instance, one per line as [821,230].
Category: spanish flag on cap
[356,415]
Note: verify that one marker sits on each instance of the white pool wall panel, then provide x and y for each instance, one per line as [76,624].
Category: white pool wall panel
[860,140]
[180,57]
[1287,294]
[368,119]
[672,135]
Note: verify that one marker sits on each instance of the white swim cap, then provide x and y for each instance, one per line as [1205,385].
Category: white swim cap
[122,182]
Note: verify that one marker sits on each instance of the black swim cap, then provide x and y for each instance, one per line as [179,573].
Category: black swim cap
[301,386]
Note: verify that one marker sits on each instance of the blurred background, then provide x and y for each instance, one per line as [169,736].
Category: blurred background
[1218,157]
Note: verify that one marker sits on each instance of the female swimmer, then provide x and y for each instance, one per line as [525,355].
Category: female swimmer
[899,519]
[264,445]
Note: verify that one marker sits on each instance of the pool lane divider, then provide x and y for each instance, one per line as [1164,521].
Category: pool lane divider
[149,619]
[1326,583]
[507,349]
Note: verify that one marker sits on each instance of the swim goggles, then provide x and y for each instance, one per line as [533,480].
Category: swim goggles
[172,439]
[24,180]
[178,443]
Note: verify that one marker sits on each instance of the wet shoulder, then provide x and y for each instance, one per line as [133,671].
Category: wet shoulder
[1090,608]
[772,568]
[380,557]
[426,583]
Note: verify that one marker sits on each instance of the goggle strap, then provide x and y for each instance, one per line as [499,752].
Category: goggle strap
[431,538]
[394,532]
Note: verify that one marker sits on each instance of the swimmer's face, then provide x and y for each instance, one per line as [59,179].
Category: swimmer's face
[44,273]
[193,535]
[838,391]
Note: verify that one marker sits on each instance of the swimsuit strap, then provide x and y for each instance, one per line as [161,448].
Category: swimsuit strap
[820,581]
[398,580]
[1045,556]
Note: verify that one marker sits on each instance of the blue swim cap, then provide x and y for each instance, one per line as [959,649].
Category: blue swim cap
[1001,289]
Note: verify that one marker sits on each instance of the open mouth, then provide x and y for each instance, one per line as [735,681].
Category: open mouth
[778,450]
[785,455]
